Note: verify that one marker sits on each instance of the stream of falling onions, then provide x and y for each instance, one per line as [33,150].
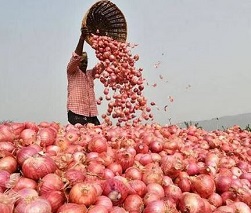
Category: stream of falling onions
[123,82]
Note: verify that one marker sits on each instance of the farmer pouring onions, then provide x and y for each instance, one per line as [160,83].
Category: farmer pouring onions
[81,102]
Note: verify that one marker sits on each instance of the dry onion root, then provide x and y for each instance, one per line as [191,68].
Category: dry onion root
[122,78]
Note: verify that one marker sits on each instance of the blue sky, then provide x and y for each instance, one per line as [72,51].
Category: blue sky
[201,48]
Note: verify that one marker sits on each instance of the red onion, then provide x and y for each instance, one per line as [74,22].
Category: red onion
[6,133]
[246,175]
[98,144]
[74,176]
[160,206]
[4,178]
[223,183]
[7,146]
[104,201]
[125,159]
[26,194]
[134,203]
[47,136]
[141,148]
[96,169]
[152,174]
[138,186]
[24,182]
[50,182]
[7,201]
[172,191]
[24,153]
[8,163]
[117,209]
[28,136]
[38,204]
[37,166]
[17,128]
[116,168]
[192,203]
[72,136]
[72,208]
[116,190]
[225,209]
[203,185]
[97,209]
[55,198]
[241,207]
[133,173]
[215,199]
[83,193]
[155,188]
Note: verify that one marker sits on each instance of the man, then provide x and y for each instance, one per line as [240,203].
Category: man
[81,102]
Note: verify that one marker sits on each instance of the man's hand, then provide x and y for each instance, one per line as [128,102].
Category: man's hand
[84,33]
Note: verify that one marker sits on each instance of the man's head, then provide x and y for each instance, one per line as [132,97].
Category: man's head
[84,62]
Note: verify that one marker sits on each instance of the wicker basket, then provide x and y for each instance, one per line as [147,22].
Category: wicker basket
[104,18]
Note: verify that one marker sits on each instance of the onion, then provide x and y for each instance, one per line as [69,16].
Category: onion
[133,173]
[125,159]
[26,194]
[74,176]
[223,183]
[8,163]
[116,168]
[97,209]
[116,190]
[139,187]
[4,178]
[96,169]
[203,185]
[155,188]
[55,198]
[37,166]
[28,136]
[117,209]
[150,197]
[6,134]
[24,182]
[104,201]
[172,191]
[98,144]
[24,153]
[7,146]
[50,182]
[192,203]
[160,206]
[134,203]
[47,136]
[72,208]
[83,193]
[152,174]
[73,136]
[215,199]
[33,205]
[7,201]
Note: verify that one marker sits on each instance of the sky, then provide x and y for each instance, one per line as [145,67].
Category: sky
[195,56]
